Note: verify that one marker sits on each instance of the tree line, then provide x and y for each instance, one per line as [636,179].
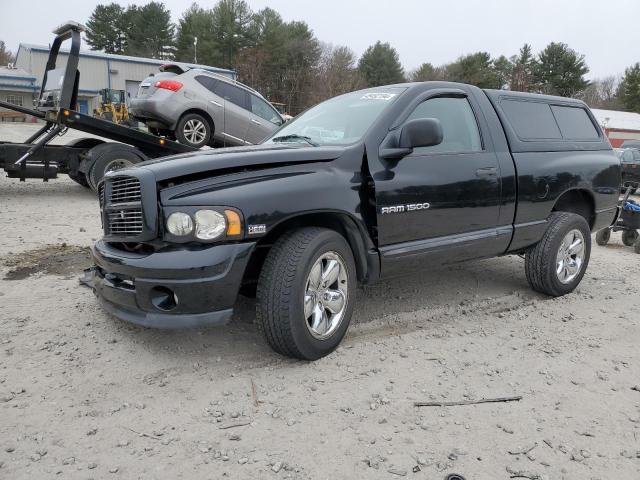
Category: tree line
[287,63]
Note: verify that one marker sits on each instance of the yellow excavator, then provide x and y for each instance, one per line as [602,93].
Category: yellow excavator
[113,107]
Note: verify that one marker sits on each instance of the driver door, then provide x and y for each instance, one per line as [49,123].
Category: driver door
[442,201]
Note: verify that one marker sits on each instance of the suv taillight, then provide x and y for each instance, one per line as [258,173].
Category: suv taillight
[168,85]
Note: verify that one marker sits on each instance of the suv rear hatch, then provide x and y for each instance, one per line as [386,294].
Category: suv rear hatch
[147,86]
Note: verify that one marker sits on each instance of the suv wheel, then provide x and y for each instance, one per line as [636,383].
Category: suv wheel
[193,130]
[305,293]
[556,265]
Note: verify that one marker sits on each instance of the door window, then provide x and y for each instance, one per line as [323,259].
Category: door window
[262,109]
[233,94]
[459,126]
[209,83]
[225,90]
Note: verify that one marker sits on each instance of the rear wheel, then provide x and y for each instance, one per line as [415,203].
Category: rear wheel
[109,157]
[603,237]
[629,237]
[305,293]
[193,130]
[556,265]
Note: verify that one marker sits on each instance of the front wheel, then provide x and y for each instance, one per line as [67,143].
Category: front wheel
[305,293]
[556,264]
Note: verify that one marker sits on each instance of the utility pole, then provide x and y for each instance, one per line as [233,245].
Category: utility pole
[195,49]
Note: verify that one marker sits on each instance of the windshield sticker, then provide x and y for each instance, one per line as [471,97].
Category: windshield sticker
[378,96]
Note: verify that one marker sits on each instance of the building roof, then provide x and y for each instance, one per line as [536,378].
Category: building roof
[617,120]
[122,58]
[15,74]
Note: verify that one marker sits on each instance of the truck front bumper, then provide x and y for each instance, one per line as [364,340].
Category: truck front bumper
[176,287]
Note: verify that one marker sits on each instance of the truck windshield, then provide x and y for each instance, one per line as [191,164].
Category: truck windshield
[339,121]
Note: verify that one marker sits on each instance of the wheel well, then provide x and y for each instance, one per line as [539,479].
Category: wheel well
[201,113]
[579,202]
[85,143]
[338,222]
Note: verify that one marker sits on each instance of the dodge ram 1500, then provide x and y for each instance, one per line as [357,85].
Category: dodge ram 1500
[362,186]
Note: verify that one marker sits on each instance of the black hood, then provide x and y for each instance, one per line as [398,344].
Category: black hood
[175,166]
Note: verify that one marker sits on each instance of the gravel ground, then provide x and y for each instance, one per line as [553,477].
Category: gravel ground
[83,395]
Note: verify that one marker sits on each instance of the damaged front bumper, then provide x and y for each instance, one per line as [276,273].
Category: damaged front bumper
[176,287]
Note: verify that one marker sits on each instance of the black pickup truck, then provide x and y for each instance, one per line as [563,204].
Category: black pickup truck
[366,185]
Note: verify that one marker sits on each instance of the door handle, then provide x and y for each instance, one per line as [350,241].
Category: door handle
[253,120]
[486,172]
[216,103]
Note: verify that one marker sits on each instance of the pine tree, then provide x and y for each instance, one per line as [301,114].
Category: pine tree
[522,72]
[560,70]
[629,89]
[150,32]
[105,29]
[380,65]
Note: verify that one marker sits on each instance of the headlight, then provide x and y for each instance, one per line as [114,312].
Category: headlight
[179,224]
[209,224]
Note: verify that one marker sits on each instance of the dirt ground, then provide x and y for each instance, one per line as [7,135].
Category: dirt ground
[83,395]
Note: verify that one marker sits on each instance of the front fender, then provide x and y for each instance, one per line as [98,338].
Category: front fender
[271,196]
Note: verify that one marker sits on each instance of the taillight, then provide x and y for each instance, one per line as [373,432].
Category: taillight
[168,85]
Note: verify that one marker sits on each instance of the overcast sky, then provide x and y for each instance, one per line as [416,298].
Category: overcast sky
[606,32]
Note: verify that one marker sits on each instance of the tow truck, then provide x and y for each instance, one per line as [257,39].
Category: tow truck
[85,160]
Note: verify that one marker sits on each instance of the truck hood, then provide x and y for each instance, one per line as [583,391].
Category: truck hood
[236,158]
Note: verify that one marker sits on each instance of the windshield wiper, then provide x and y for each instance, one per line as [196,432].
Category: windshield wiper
[294,136]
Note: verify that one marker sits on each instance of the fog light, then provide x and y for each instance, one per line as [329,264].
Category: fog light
[163,298]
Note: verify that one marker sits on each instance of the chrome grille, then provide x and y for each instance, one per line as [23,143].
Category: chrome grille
[123,214]
[101,195]
[125,222]
[125,190]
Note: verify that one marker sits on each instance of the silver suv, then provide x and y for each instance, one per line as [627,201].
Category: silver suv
[200,108]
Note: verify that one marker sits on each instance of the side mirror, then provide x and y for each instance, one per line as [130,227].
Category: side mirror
[421,132]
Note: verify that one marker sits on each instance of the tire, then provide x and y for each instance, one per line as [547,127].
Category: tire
[541,261]
[636,247]
[285,283]
[193,130]
[80,178]
[603,237]
[629,237]
[107,157]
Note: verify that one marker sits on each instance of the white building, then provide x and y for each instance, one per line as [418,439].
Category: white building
[618,126]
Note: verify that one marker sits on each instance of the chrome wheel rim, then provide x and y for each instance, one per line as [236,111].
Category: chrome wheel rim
[117,164]
[326,295]
[570,256]
[194,131]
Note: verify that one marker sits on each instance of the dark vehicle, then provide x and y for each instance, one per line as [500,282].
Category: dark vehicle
[630,159]
[366,185]
[85,160]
